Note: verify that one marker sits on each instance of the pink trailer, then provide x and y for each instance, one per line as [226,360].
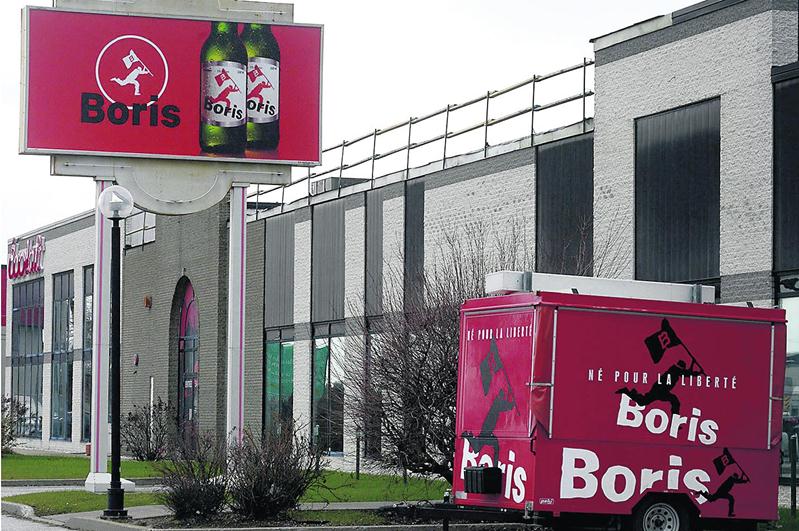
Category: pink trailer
[645,414]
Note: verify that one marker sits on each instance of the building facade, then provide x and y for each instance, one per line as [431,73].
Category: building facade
[688,172]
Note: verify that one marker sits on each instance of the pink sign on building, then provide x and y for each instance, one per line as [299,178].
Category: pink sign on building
[3,281]
[26,259]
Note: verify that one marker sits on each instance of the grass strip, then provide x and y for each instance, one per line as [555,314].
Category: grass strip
[15,466]
[338,487]
[77,501]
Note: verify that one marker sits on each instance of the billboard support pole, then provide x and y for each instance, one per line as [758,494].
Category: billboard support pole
[98,479]
[237,258]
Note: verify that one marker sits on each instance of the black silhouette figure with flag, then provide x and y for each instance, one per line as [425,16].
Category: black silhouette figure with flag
[657,344]
[490,368]
[723,492]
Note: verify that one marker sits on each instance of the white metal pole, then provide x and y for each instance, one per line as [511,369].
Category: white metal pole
[98,478]
[236,296]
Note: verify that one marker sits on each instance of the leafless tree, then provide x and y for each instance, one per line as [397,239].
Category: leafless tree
[400,371]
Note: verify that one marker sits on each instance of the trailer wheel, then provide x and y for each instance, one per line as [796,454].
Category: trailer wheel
[661,515]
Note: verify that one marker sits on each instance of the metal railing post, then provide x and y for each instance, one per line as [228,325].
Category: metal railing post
[446,133]
[309,185]
[341,165]
[532,116]
[485,126]
[585,69]
[283,196]
[408,152]
[374,154]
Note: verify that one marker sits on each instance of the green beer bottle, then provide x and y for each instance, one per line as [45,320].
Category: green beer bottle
[223,82]
[263,86]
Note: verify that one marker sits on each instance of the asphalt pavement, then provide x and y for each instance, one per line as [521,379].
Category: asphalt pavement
[11,523]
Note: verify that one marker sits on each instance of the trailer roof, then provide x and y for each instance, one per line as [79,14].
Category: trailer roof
[593,302]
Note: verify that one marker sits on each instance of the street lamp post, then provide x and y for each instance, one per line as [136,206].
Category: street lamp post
[115,203]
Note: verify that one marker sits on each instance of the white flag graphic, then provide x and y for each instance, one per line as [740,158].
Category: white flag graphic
[130,59]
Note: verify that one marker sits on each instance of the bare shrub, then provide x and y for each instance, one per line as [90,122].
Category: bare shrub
[12,412]
[269,474]
[195,478]
[148,432]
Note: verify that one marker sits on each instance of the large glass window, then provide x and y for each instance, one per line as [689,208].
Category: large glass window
[88,331]
[328,388]
[789,301]
[278,378]
[27,321]
[788,293]
[63,345]
[139,228]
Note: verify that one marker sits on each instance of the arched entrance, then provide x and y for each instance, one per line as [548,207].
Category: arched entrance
[188,361]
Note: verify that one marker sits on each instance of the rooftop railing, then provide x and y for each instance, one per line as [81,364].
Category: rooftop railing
[521,110]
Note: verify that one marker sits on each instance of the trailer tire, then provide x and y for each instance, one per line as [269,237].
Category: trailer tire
[658,514]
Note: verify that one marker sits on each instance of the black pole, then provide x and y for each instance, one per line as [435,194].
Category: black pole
[116,495]
[792,456]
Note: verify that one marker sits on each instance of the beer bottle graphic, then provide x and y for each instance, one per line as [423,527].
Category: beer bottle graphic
[263,86]
[223,82]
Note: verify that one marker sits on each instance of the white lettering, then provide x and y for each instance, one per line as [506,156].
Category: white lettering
[609,484]
[626,409]
[569,472]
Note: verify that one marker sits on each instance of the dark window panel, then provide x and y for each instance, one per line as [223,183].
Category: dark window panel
[786,175]
[279,271]
[677,166]
[565,206]
[327,257]
[374,252]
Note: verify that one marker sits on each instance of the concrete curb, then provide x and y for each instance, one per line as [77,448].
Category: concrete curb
[92,524]
[18,509]
[26,512]
[145,482]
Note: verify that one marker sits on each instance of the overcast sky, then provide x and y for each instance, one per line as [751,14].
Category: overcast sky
[383,62]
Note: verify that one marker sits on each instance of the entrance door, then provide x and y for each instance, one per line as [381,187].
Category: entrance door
[188,365]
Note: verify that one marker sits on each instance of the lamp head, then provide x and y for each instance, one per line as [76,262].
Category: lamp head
[115,202]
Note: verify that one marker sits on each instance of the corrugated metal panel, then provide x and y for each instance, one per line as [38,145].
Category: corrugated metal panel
[327,262]
[565,206]
[786,175]
[279,271]
[414,242]
[374,252]
[677,159]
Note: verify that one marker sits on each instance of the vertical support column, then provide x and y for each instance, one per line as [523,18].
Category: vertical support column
[237,258]
[98,478]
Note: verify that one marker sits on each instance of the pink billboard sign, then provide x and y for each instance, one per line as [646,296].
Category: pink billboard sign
[157,87]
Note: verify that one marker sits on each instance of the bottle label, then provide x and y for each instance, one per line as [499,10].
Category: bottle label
[222,93]
[263,90]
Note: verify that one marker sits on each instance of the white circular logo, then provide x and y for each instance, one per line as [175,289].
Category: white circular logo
[131,69]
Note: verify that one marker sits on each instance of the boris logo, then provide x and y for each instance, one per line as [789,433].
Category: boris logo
[583,477]
[514,477]
[223,97]
[263,82]
[132,74]
[496,388]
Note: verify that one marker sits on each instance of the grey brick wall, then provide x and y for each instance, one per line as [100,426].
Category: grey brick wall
[253,349]
[354,259]
[393,244]
[302,315]
[733,62]
[495,195]
[194,246]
